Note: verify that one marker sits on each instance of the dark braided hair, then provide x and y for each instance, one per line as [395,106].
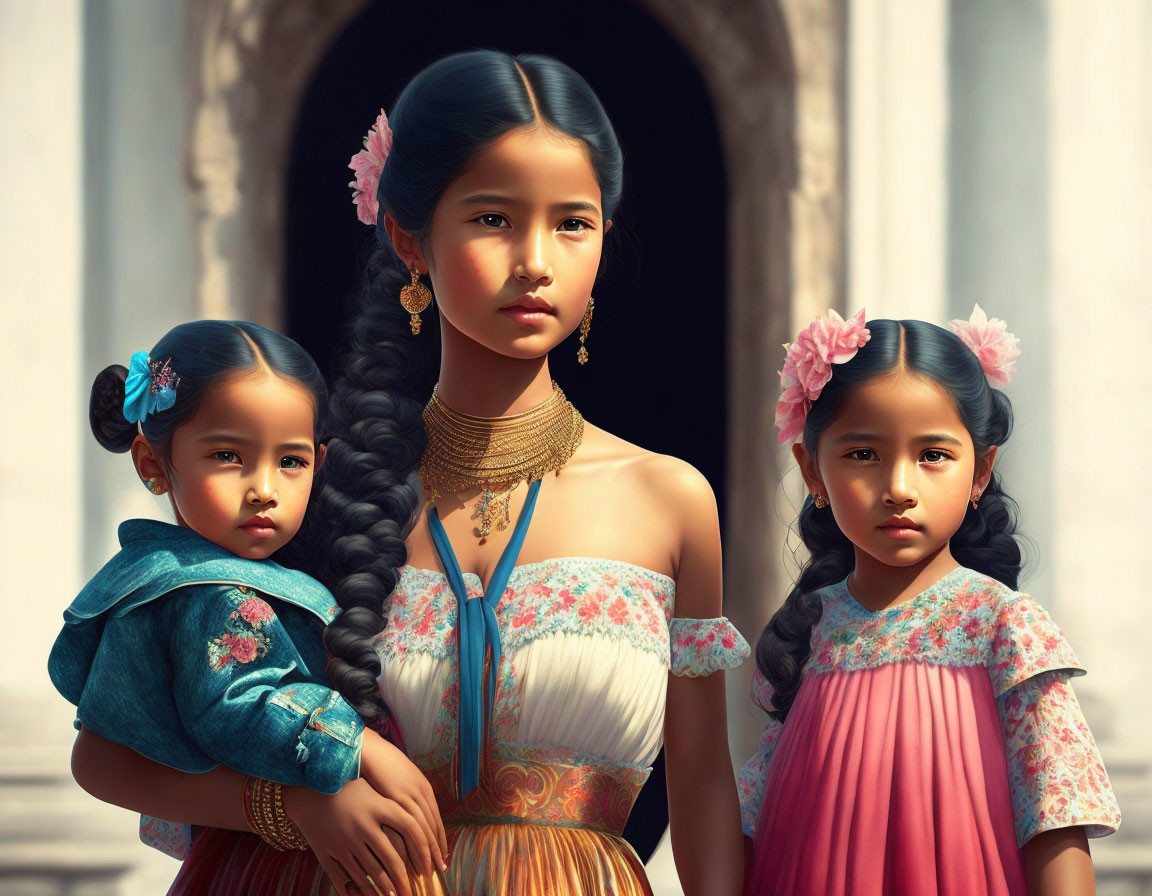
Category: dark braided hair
[985,540]
[371,494]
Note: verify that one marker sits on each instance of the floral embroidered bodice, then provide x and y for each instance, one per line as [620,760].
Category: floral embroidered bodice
[587,647]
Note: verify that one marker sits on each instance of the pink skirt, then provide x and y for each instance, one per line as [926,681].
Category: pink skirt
[889,781]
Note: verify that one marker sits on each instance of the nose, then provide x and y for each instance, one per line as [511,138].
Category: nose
[901,487]
[261,489]
[534,267]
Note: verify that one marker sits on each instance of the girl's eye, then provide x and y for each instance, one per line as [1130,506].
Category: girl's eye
[292,463]
[934,456]
[862,454]
[491,219]
[574,225]
[226,457]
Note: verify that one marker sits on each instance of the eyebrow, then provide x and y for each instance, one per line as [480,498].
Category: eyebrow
[233,439]
[576,205]
[872,437]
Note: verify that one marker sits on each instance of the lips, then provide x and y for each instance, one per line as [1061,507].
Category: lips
[900,522]
[260,526]
[529,303]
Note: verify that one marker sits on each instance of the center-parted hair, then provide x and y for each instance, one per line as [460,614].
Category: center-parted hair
[202,353]
[448,114]
[985,540]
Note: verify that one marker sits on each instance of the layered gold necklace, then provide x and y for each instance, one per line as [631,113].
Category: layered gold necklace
[495,454]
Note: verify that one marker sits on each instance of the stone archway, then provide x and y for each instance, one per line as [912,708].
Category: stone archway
[775,70]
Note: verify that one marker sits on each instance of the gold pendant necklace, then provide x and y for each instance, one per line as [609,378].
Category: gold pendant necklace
[495,454]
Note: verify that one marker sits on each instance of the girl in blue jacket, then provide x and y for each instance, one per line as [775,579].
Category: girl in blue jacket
[192,647]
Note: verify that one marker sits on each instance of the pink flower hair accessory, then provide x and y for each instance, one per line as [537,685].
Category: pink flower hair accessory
[368,163]
[991,342]
[808,364]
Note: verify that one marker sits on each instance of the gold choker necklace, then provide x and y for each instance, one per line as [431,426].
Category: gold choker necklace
[495,454]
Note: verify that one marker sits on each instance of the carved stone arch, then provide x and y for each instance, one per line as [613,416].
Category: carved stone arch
[775,69]
[251,61]
[775,72]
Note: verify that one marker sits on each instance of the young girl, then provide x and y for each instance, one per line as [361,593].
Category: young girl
[924,737]
[556,575]
[190,646]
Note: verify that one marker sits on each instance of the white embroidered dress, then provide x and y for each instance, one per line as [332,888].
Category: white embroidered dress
[587,645]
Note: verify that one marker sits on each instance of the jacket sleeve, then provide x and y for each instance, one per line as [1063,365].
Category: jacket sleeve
[247,696]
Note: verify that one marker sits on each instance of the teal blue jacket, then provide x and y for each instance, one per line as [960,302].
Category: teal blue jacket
[195,658]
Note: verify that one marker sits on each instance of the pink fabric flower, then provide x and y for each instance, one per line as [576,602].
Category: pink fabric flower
[243,649]
[996,348]
[808,366]
[255,611]
[368,163]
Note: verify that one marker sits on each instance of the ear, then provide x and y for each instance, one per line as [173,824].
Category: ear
[148,465]
[321,456]
[808,470]
[406,245]
[983,472]
[607,225]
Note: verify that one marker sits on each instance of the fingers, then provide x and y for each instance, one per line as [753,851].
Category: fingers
[383,867]
[340,879]
[408,820]
[427,800]
[429,847]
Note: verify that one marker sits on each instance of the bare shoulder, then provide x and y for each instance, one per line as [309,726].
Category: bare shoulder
[673,484]
[672,503]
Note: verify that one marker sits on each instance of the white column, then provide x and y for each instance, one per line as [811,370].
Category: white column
[43,412]
[1101,333]
[897,157]
[92,268]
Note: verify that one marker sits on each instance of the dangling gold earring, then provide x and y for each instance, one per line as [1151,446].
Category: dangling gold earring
[415,297]
[975,499]
[585,326]
[819,500]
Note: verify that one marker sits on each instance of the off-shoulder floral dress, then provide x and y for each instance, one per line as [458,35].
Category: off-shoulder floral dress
[587,645]
[927,743]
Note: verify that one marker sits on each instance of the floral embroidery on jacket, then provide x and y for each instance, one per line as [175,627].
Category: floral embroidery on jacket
[243,641]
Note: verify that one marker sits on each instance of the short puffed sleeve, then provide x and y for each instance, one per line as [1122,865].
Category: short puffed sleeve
[703,646]
[1026,642]
[1055,773]
[753,778]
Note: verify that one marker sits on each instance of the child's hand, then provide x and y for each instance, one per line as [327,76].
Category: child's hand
[356,834]
[392,774]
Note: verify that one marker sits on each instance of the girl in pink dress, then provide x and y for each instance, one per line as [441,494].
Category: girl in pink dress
[923,737]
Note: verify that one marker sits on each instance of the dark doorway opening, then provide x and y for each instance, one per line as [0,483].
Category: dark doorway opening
[656,374]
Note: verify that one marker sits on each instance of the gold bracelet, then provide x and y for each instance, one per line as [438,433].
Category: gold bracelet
[264,811]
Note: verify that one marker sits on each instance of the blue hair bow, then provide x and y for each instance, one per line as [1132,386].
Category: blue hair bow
[149,388]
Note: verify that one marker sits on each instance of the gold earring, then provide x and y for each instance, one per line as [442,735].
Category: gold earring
[819,500]
[975,499]
[153,485]
[415,297]
[585,326]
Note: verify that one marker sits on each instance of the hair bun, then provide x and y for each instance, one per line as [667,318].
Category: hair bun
[106,410]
